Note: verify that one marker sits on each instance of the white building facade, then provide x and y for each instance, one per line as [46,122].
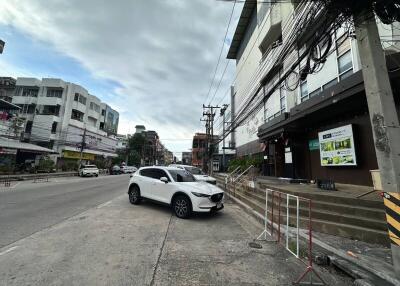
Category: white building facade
[63,116]
[276,112]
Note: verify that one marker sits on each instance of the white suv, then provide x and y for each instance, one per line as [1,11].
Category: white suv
[197,173]
[88,170]
[175,187]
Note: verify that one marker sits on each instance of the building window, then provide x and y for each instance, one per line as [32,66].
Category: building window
[315,92]
[95,107]
[282,100]
[54,128]
[77,115]
[80,98]
[303,91]
[345,65]
[30,92]
[54,93]
[28,127]
[51,110]
[329,84]
[103,112]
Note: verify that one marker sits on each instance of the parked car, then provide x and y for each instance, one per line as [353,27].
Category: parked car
[88,170]
[128,169]
[115,170]
[197,173]
[175,187]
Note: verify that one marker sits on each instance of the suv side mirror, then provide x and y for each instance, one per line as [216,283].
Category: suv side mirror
[164,179]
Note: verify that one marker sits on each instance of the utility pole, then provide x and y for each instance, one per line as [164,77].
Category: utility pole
[210,114]
[205,154]
[222,113]
[382,110]
[83,143]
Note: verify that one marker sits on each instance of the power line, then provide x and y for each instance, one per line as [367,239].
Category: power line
[222,49]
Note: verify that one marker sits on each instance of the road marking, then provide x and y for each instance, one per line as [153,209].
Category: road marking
[105,204]
[8,250]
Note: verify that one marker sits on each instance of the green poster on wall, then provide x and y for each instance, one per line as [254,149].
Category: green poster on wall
[313,144]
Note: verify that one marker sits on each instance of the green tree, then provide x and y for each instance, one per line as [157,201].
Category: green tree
[137,143]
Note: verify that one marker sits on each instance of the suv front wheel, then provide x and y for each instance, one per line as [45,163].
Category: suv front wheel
[134,195]
[182,207]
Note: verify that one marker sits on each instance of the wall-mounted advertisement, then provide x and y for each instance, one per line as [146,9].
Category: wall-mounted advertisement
[337,147]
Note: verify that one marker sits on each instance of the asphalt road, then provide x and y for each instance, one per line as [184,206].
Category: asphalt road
[29,207]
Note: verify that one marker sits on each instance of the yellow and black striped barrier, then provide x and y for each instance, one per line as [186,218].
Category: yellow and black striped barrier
[392,206]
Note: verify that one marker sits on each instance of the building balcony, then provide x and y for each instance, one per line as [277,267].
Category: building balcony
[24,100]
[93,114]
[79,106]
[77,123]
[46,118]
[43,100]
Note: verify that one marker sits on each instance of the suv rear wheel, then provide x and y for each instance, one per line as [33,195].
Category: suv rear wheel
[182,207]
[134,195]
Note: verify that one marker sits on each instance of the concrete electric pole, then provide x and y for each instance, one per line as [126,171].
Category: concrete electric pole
[382,111]
[222,113]
[82,147]
[210,114]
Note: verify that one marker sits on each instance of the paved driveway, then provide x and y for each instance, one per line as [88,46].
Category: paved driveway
[116,243]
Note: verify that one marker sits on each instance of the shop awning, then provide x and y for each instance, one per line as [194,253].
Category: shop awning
[94,152]
[22,146]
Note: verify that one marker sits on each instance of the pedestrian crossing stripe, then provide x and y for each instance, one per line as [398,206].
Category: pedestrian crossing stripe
[392,206]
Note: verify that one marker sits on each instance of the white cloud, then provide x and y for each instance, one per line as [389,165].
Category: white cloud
[162,53]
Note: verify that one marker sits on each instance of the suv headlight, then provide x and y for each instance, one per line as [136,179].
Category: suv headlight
[200,195]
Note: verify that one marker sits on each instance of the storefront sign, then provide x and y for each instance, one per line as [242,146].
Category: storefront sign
[337,147]
[288,158]
[77,155]
[313,144]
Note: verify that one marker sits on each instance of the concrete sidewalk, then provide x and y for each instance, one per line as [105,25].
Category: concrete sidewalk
[120,244]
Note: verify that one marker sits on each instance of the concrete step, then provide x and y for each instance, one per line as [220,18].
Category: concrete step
[349,205]
[340,209]
[322,213]
[325,226]
[330,197]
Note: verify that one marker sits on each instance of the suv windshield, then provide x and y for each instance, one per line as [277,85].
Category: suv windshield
[89,166]
[182,176]
[194,170]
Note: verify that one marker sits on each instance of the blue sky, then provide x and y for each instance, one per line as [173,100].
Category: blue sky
[151,60]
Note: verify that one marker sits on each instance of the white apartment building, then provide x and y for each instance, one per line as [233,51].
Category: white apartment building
[62,115]
[287,114]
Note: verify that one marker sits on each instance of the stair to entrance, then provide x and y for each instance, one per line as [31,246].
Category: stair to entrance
[342,216]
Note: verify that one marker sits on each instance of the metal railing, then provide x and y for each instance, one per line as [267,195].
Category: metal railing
[276,226]
[243,173]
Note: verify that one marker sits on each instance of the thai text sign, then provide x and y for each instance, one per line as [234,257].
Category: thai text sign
[337,147]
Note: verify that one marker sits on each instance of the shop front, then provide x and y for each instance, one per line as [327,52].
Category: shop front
[326,137]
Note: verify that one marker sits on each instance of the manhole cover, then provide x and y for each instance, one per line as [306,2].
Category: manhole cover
[255,245]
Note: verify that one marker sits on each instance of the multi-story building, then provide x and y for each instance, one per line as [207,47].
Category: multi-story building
[7,88]
[64,117]
[150,149]
[140,128]
[199,149]
[122,141]
[305,124]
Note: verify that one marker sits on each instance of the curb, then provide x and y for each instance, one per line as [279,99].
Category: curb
[340,253]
